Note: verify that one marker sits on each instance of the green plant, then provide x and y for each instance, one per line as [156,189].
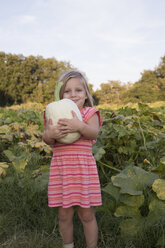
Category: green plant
[131,162]
[140,209]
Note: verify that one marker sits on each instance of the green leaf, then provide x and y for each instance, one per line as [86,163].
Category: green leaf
[2,172]
[122,149]
[156,211]
[159,187]
[112,190]
[98,152]
[4,165]
[121,130]
[162,160]
[131,227]
[19,162]
[144,108]
[57,91]
[133,180]
[132,200]
[42,181]
[4,129]
[136,223]
[160,170]
[9,155]
[127,211]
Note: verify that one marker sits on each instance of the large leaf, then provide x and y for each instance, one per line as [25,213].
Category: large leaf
[42,181]
[132,200]
[160,170]
[133,180]
[112,190]
[162,160]
[127,211]
[98,152]
[2,172]
[38,145]
[136,223]
[156,211]
[159,187]
[131,227]
[4,165]
[19,162]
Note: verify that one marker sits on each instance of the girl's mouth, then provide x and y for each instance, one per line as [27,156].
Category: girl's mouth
[75,101]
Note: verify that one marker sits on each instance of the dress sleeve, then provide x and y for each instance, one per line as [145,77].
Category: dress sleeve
[90,112]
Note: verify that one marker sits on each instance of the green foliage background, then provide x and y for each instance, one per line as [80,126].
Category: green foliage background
[31,78]
[24,79]
[130,155]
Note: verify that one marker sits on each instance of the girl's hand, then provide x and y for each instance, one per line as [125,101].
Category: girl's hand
[54,132]
[89,130]
[70,125]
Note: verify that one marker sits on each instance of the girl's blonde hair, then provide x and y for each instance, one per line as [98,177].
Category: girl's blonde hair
[65,76]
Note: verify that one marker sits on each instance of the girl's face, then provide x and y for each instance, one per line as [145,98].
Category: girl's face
[75,91]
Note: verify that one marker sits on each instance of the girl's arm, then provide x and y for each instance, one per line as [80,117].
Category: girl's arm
[47,139]
[52,133]
[89,130]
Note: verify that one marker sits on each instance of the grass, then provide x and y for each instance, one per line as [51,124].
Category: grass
[29,239]
[26,221]
[109,238]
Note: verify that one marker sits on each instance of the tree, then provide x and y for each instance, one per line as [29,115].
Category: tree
[151,86]
[29,78]
[110,92]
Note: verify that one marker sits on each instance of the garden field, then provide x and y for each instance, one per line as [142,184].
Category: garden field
[130,155]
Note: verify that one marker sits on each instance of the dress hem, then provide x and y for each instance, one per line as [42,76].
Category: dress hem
[72,205]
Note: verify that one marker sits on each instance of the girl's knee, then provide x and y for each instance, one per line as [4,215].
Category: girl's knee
[85,218]
[65,214]
[86,215]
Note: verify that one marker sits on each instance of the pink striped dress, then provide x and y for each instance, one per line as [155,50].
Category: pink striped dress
[73,177]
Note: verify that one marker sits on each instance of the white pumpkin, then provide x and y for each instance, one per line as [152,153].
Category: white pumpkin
[62,109]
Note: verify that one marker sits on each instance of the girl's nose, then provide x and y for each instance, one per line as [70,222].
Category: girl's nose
[73,93]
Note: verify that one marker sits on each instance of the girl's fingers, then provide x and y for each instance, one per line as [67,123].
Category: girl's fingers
[64,131]
[50,122]
[74,114]
[63,134]
[62,121]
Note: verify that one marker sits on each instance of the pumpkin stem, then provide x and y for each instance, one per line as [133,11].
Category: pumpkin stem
[57,91]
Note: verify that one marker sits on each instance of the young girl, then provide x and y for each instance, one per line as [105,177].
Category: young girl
[73,179]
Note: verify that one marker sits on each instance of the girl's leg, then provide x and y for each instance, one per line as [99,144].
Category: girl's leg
[89,222]
[65,216]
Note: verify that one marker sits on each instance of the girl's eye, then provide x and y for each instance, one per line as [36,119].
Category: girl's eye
[66,91]
[79,90]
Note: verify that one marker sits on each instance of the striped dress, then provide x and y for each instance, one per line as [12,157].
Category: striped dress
[73,177]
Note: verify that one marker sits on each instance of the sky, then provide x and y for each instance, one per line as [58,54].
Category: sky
[105,39]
